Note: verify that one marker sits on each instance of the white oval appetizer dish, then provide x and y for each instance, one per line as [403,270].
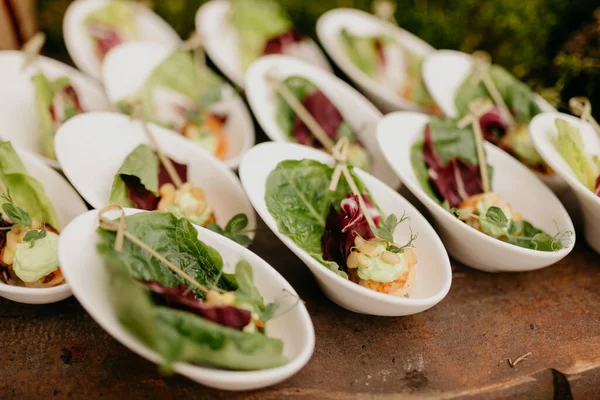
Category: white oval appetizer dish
[127,68]
[97,149]
[115,21]
[67,204]
[383,82]
[355,110]
[513,182]
[414,290]
[38,98]
[544,133]
[214,23]
[445,71]
[92,281]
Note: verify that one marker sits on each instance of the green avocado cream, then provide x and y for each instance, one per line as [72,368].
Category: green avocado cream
[378,270]
[188,200]
[32,263]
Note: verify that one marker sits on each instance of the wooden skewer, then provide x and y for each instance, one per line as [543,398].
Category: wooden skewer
[120,227]
[340,154]
[195,43]
[32,48]
[385,9]
[339,150]
[477,108]
[481,74]
[582,107]
[301,112]
[137,114]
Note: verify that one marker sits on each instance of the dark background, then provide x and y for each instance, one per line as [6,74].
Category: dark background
[554,45]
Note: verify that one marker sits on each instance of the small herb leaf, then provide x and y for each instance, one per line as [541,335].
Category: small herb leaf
[33,235]
[16,214]
[237,223]
[495,216]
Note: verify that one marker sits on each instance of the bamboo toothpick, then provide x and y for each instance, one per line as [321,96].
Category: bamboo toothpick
[32,48]
[301,111]
[195,43]
[120,227]
[165,161]
[385,10]
[582,107]
[477,108]
[481,73]
[340,154]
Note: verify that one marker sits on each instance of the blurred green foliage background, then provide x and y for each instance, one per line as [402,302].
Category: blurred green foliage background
[554,45]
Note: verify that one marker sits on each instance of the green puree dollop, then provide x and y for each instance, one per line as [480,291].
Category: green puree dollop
[34,261]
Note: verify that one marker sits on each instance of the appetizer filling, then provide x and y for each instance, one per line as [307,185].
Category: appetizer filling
[447,167]
[56,102]
[385,60]
[350,242]
[331,227]
[143,182]
[586,167]
[327,116]
[263,27]
[28,237]
[110,26]
[514,140]
[511,136]
[179,96]
[205,316]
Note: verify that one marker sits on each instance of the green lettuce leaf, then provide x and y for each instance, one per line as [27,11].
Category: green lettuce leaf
[300,87]
[179,73]
[176,239]
[517,95]
[117,14]
[45,90]
[179,335]
[362,50]
[142,163]
[418,92]
[298,197]
[256,22]
[26,191]
[449,141]
[569,144]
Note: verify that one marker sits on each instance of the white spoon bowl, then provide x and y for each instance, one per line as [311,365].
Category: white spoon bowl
[355,108]
[221,41]
[80,46]
[92,147]
[543,133]
[433,272]
[127,67]
[329,27]
[527,195]
[18,113]
[85,270]
[444,71]
[68,205]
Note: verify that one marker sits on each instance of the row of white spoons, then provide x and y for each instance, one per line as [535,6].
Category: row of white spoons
[91,147]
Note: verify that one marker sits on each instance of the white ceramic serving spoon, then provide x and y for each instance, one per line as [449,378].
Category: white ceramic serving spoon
[18,113]
[68,205]
[221,42]
[127,67]
[81,48]
[433,273]
[444,71]
[329,27]
[85,270]
[398,131]
[543,132]
[355,108]
[92,147]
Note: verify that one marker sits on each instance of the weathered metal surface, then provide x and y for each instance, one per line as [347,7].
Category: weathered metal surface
[458,348]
